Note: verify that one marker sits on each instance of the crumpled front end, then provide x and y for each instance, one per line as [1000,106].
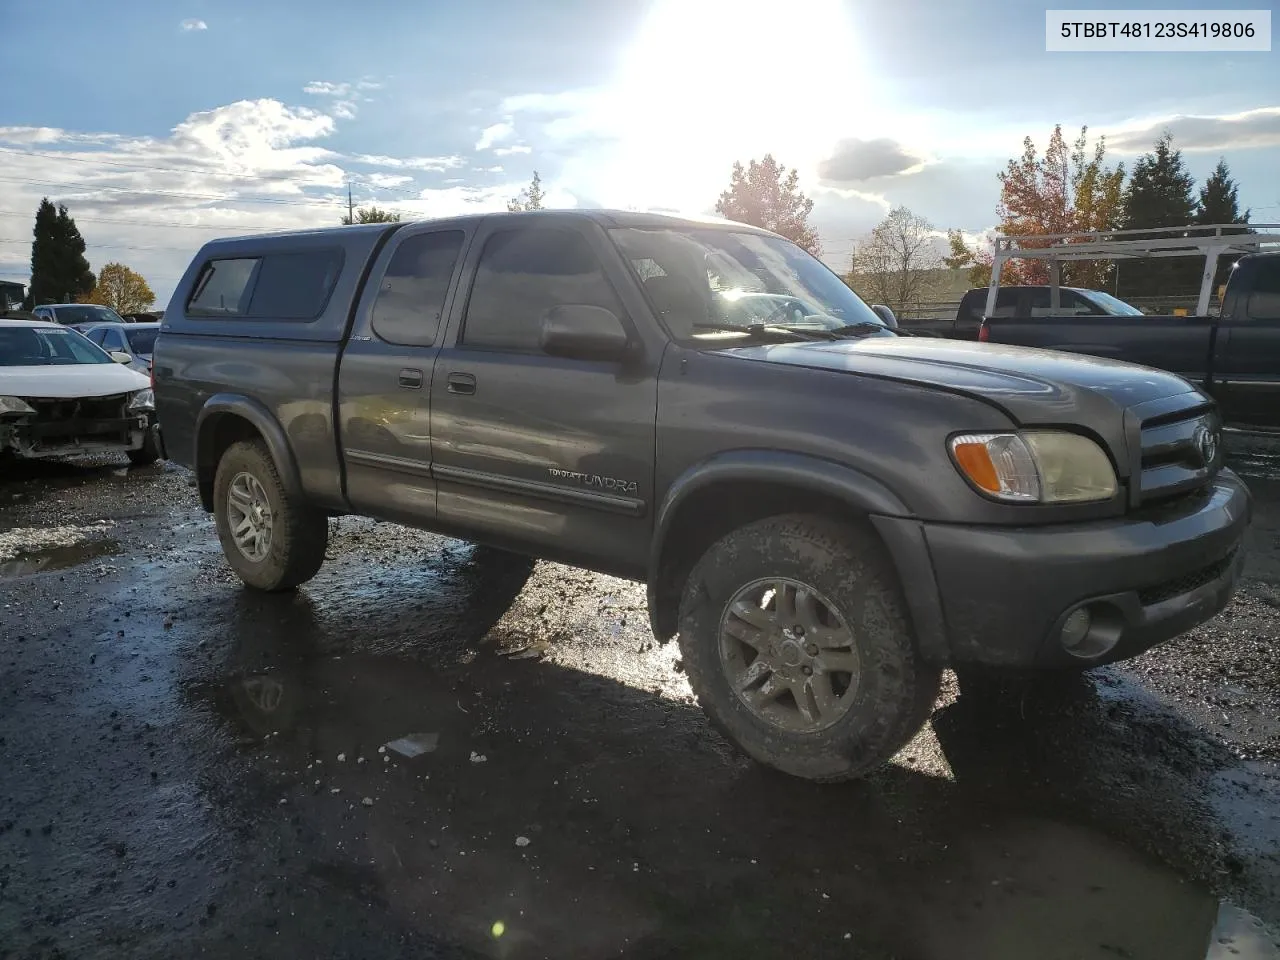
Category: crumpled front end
[66,427]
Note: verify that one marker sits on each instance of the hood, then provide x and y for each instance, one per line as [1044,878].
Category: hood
[70,382]
[1032,386]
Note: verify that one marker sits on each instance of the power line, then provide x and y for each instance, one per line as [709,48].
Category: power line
[103,246]
[192,170]
[311,202]
[147,223]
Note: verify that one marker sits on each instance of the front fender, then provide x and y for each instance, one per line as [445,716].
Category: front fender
[263,420]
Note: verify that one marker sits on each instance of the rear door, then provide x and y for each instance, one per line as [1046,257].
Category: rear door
[384,376]
[1247,362]
[536,452]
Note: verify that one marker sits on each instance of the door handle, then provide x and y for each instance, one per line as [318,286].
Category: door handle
[463,383]
[410,379]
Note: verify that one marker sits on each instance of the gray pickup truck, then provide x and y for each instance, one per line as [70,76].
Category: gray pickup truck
[826,513]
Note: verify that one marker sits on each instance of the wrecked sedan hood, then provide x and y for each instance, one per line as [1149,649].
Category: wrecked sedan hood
[1032,386]
[70,381]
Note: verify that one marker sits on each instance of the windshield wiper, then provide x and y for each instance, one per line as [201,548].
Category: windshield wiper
[861,328]
[761,331]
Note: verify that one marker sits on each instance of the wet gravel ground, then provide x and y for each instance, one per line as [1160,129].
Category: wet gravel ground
[189,769]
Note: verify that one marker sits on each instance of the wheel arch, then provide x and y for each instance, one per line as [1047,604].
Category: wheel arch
[228,418]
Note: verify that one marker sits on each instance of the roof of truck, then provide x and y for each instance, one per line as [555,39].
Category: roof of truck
[606,218]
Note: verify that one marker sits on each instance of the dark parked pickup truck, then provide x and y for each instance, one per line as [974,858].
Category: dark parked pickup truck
[1022,303]
[826,513]
[1235,357]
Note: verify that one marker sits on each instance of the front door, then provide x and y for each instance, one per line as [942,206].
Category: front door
[1247,365]
[536,452]
[384,380]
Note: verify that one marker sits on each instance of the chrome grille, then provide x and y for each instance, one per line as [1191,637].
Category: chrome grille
[1181,452]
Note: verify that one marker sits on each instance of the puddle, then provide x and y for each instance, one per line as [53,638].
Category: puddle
[57,558]
[1239,935]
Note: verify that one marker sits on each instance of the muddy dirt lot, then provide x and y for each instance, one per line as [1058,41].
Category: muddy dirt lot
[188,769]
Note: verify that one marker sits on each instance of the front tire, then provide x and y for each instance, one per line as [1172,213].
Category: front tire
[271,541]
[796,641]
[147,454]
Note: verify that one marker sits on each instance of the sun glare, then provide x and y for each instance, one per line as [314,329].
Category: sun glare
[708,82]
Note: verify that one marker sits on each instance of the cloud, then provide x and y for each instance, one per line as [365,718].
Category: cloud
[387,179]
[854,160]
[192,24]
[425,164]
[343,109]
[491,136]
[1233,131]
[508,151]
[323,88]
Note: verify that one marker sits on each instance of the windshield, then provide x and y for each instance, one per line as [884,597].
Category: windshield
[1112,305]
[87,313]
[142,342]
[706,281]
[46,346]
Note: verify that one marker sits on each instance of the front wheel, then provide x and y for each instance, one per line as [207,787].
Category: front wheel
[146,454]
[271,541]
[797,643]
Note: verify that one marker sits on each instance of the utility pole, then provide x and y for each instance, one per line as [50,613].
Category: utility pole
[351,207]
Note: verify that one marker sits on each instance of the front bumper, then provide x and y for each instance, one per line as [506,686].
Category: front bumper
[36,438]
[1003,594]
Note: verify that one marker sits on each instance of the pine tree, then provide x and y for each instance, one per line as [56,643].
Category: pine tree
[1160,194]
[1220,203]
[59,270]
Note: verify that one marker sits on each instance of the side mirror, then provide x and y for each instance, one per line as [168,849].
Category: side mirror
[886,315]
[120,356]
[583,332]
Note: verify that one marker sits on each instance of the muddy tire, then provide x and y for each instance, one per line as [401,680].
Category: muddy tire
[797,643]
[271,541]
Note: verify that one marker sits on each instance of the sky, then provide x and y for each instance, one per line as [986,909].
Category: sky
[165,123]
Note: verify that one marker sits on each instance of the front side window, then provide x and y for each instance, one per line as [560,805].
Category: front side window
[706,282]
[113,341]
[98,335]
[522,274]
[143,342]
[411,297]
[46,347]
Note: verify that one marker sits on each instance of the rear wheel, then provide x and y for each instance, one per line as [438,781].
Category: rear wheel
[797,644]
[272,542]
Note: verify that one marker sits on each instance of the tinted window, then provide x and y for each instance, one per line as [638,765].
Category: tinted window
[1006,302]
[295,286]
[521,275]
[1070,303]
[411,295]
[222,289]
[113,340]
[1264,299]
[97,335]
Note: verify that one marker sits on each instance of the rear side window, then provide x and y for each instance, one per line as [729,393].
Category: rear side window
[524,273]
[1264,299]
[412,292]
[276,286]
[223,288]
[295,286]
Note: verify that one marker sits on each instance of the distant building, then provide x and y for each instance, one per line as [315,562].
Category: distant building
[11,295]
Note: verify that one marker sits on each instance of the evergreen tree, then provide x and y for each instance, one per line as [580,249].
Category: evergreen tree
[1160,194]
[59,270]
[1220,203]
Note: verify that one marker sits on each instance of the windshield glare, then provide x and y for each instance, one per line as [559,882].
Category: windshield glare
[46,346]
[1113,306]
[87,313]
[142,342]
[704,280]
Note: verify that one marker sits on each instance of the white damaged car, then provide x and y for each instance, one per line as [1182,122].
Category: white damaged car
[61,395]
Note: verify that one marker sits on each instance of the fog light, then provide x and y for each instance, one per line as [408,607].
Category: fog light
[1075,630]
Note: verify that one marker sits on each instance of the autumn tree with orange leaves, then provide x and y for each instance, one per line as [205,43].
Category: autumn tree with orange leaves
[1065,190]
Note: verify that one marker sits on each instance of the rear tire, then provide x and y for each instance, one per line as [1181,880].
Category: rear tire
[271,549]
[856,688]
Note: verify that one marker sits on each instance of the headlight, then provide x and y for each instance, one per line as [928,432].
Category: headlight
[14,405]
[143,400]
[1045,466]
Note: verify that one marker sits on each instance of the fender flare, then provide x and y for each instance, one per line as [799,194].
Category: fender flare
[264,421]
[862,492]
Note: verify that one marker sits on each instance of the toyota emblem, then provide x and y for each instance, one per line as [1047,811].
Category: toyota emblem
[1206,441]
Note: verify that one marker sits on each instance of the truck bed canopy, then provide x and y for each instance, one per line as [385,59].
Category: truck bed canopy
[1194,240]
